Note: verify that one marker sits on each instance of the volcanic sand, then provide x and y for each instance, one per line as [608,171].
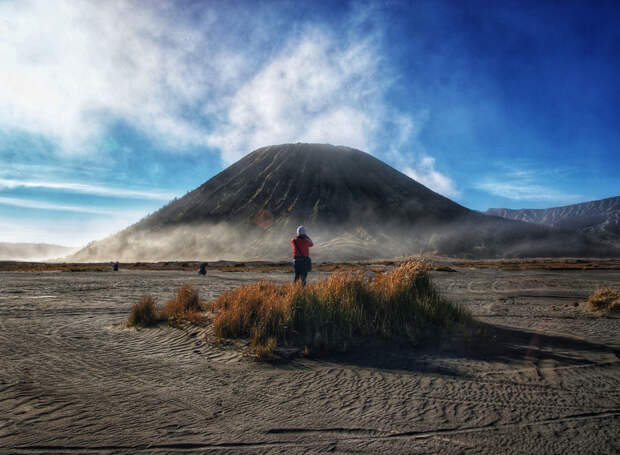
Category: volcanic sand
[544,378]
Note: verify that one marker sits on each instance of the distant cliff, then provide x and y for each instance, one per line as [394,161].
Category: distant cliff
[599,220]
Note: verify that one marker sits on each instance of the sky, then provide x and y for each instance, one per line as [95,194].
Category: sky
[108,110]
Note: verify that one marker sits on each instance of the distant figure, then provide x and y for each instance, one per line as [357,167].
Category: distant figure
[115,266]
[203,269]
[301,257]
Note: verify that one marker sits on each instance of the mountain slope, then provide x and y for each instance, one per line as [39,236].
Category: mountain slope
[353,205]
[318,183]
[599,220]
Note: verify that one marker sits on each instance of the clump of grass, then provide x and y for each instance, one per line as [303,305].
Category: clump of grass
[184,305]
[402,304]
[265,350]
[144,313]
[186,300]
[607,299]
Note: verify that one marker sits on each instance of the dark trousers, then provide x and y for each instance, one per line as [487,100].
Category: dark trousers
[300,268]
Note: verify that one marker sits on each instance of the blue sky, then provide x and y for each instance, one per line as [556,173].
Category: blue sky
[110,109]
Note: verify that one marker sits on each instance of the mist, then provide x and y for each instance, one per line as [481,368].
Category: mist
[491,238]
[224,241]
[33,251]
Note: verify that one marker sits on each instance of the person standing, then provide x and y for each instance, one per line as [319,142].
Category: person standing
[301,255]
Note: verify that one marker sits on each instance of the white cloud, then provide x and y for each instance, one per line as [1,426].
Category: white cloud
[526,191]
[86,189]
[34,204]
[426,174]
[69,65]
[315,90]
[410,156]
[524,185]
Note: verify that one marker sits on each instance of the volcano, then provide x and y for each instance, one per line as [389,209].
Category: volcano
[353,205]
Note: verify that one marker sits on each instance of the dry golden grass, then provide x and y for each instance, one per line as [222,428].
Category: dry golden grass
[401,304]
[607,299]
[144,313]
[186,300]
[184,305]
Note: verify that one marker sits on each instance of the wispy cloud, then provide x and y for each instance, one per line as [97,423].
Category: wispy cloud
[317,89]
[41,205]
[86,189]
[524,185]
[425,173]
[414,160]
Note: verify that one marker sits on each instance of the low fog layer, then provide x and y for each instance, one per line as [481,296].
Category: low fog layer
[33,251]
[212,242]
[209,242]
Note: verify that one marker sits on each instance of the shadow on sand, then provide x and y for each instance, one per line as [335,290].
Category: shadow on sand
[492,343]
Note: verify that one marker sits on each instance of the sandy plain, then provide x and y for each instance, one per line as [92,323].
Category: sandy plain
[544,379]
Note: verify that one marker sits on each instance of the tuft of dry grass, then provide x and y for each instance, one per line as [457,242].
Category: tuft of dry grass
[184,305]
[607,299]
[265,350]
[402,304]
[185,301]
[144,313]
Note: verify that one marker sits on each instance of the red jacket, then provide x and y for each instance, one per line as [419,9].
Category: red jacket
[301,246]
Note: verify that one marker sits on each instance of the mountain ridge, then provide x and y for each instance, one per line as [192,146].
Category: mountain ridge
[598,219]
